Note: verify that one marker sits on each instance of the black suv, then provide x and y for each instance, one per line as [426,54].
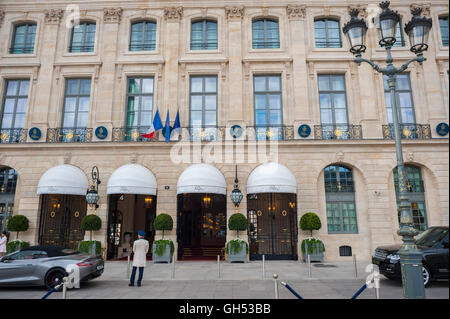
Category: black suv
[433,243]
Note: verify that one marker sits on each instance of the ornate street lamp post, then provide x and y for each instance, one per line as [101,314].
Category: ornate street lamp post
[418,30]
[92,194]
[236,194]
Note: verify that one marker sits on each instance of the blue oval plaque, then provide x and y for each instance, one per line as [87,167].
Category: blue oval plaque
[35,133]
[442,129]
[304,130]
[101,132]
[236,131]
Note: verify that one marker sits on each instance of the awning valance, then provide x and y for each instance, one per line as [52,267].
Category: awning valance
[202,178]
[63,179]
[271,178]
[132,179]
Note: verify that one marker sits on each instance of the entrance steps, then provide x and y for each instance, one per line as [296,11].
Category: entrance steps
[203,252]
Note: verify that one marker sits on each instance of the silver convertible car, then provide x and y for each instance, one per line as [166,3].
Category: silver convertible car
[46,266]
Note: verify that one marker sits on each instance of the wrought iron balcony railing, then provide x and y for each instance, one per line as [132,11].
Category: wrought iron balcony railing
[412,186]
[26,49]
[69,135]
[11,136]
[139,46]
[408,131]
[75,48]
[328,44]
[257,44]
[337,132]
[208,45]
[268,133]
[133,134]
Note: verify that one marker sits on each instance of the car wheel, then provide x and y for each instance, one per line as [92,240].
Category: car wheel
[54,277]
[426,276]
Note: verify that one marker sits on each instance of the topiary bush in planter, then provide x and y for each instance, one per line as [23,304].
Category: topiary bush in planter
[18,223]
[310,221]
[235,248]
[91,223]
[313,247]
[162,250]
[237,222]
[14,245]
[86,247]
[163,222]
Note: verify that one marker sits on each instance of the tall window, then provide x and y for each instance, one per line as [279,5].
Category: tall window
[139,102]
[13,110]
[416,195]
[333,101]
[204,35]
[203,106]
[340,199]
[23,38]
[327,33]
[443,24]
[399,39]
[404,99]
[143,36]
[83,37]
[265,34]
[268,110]
[76,103]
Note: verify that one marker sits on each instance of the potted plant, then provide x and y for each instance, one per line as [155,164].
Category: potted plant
[237,249]
[162,250]
[90,223]
[17,223]
[311,246]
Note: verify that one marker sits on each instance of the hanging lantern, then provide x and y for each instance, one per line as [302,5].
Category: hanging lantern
[236,194]
[92,194]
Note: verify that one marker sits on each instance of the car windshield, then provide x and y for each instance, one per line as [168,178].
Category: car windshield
[431,236]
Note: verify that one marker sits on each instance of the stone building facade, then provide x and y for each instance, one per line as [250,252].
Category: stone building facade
[297,61]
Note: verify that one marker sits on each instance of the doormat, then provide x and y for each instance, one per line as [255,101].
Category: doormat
[324,266]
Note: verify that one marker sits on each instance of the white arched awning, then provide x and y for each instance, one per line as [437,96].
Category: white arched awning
[132,179]
[202,178]
[271,178]
[63,179]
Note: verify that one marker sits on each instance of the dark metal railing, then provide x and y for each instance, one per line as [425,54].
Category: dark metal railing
[26,49]
[74,48]
[266,44]
[413,186]
[337,132]
[408,131]
[146,46]
[273,132]
[208,45]
[11,136]
[69,135]
[328,44]
[133,134]
[335,187]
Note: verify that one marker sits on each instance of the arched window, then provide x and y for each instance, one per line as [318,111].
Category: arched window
[23,38]
[265,34]
[143,36]
[327,33]
[443,24]
[340,199]
[416,193]
[204,35]
[83,37]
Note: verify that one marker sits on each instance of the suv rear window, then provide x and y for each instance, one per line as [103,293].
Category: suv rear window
[431,236]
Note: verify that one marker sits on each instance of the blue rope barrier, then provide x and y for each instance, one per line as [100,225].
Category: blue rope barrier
[49,293]
[359,291]
[291,290]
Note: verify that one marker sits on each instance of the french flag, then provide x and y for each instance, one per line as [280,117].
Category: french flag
[150,133]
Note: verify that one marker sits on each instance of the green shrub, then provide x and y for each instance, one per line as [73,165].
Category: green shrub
[160,246]
[314,245]
[237,222]
[18,223]
[163,222]
[85,246]
[91,223]
[12,246]
[310,221]
[235,246]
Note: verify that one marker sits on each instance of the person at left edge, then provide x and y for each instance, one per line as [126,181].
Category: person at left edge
[140,249]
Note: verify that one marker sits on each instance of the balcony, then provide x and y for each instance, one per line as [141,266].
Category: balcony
[413,186]
[140,46]
[408,131]
[12,136]
[26,49]
[133,134]
[270,133]
[69,135]
[337,132]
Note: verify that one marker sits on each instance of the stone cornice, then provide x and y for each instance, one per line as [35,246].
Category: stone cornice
[173,14]
[295,12]
[112,15]
[235,12]
[53,16]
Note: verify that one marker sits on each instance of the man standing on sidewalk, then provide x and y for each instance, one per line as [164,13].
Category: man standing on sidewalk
[140,249]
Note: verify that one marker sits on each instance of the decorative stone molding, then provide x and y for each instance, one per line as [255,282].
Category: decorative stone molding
[288,67]
[2,17]
[410,156]
[339,157]
[424,6]
[311,70]
[326,10]
[133,158]
[53,16]
[234,12]
[296,12]
[223,70]
[361,8]
[112,15]
[173,14]
[204,12]
[67,158]
[265,11]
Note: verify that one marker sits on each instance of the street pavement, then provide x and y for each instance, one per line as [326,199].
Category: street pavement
[200,280]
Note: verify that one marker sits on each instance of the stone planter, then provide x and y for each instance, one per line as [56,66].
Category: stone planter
[238,257]
[165,258]
[317,255]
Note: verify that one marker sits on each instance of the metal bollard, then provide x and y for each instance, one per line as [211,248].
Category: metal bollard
[64,292]
[173,266]
[128,268]
[263,267]
[309,265]
[376,281]
[218,266]
[275,280]
[355,267]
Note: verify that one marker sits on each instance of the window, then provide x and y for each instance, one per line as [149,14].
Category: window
[333,100]
[204,35]
[340,200]
[268,110]
[139,102]
[76,103]
[8,181]
[203,106]
[327,33]
[399,39]
[23,38]
[265,34]
[143,36]
[14,108]
[416,192]
[443,24]
[28,254]
[83,37]
[404,99]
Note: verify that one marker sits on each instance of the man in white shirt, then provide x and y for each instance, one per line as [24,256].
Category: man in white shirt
[140,249]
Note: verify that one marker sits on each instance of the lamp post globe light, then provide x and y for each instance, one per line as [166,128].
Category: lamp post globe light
[236,195]
[418,30]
